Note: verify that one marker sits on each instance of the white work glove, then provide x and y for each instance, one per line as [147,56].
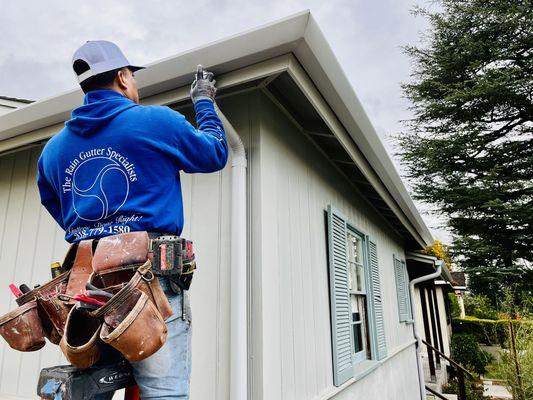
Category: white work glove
[203,86]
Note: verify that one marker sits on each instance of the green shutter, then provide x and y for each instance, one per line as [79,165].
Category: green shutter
[408,311]
[377,302]
[402,290]
[341,332]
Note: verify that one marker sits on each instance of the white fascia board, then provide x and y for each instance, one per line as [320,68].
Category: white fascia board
[40,114]
[222,56]
[298,34]
[424,258]
[8,103]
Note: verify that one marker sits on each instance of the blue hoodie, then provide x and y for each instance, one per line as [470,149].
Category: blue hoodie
[115,166]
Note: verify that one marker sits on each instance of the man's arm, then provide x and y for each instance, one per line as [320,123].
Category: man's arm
[204,149]
[49,198]
[194,150]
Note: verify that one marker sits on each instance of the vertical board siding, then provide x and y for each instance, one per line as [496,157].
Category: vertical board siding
[297,183]
[341,313]
[27,247]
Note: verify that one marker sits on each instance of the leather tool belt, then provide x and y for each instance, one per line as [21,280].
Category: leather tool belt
[131,321]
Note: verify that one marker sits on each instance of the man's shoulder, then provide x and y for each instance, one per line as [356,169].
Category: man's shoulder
[154,112]
[55,142]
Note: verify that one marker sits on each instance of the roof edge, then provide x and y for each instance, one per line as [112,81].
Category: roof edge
[433,261]
[336,88]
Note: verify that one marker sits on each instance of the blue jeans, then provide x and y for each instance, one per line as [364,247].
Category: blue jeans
[166,374]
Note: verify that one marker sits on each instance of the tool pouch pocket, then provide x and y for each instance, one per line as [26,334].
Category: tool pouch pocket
[81,342]
[139,277]
[52,310]
[22,329]
[133,325]
[173,257]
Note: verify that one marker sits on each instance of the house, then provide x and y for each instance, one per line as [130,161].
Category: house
[317,225]
[460,288]
[11,103]
[432,317]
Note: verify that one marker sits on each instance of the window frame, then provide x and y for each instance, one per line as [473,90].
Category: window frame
[371,340]
[345,366]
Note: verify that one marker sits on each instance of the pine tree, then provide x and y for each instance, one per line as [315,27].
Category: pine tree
[469,146]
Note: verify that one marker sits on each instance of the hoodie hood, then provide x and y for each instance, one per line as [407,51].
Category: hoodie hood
[98,109]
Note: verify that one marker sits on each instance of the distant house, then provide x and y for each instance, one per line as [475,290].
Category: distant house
[460,288]
[11,103]
[329,228]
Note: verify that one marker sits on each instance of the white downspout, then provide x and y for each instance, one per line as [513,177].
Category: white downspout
[419,343]
[238,288]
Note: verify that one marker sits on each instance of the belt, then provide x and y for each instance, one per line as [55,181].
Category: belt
[155,235]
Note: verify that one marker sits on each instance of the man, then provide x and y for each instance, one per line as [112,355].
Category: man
[115,168]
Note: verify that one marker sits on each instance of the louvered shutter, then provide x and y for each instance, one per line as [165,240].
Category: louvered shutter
[400,289]
[377,302]
[341,332]
[408,311]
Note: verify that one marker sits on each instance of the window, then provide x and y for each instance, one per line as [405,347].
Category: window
[357,324]
[358,296]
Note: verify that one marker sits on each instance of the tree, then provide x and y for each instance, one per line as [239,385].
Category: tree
[441,251]
[517,361]
[468,148]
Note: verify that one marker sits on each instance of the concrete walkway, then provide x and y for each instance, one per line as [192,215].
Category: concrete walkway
[495,391]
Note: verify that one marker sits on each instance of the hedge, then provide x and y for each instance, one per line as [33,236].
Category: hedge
[487,331]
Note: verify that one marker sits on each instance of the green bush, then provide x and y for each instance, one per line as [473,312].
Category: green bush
[516,364]
[486,331]
[474,390]
[479,307]
[523,388]
[466,351]
[455,310]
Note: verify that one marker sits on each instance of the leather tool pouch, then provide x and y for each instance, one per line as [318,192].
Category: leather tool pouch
[139,277]
[81,342]
[121,250]
[133,325]
[81,269]
[54,297]
[173,257]
[22,329]
[52,309]
[123,259]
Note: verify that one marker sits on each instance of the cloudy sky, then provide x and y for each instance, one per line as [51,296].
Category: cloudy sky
[39,37]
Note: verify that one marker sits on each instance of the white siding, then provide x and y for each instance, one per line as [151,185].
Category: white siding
[293,186]
[24,259]
[445,328]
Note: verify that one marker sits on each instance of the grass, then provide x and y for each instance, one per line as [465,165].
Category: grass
[493,371]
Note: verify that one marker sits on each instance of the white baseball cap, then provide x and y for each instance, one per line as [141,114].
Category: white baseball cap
[101,56]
